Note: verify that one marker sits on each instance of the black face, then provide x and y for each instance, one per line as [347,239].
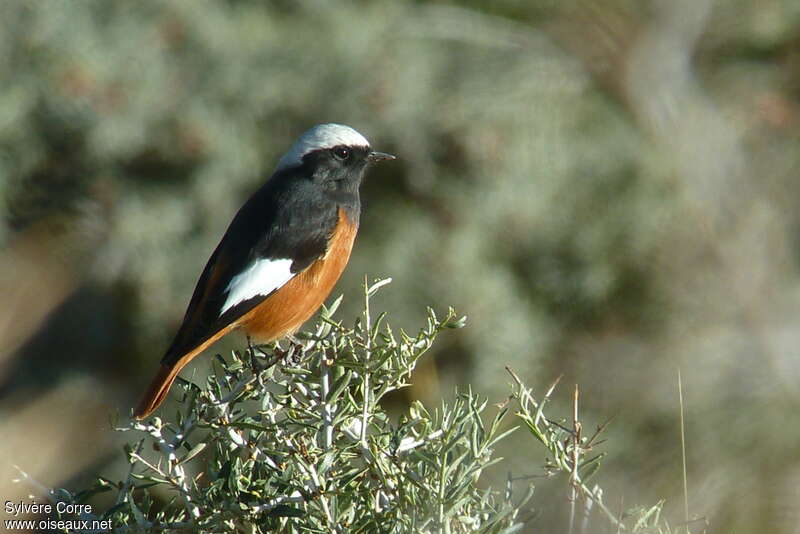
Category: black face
[338,163]
[338,168]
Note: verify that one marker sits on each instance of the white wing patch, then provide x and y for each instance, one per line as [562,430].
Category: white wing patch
[262,277]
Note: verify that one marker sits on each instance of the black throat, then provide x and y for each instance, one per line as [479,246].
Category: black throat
[337,181]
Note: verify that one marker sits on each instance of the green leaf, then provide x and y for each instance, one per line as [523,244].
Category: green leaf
[283,510]
[149,478]
[461,322]
[377,285]
[339,386]
[197,449]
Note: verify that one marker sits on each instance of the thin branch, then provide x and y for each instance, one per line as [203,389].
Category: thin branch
[683,454]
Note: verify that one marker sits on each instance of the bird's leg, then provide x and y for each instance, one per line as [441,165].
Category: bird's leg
[256,366]
[290,354]
[263,348]
[251,350]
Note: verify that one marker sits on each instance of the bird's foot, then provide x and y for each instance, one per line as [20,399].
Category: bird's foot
[296,344]
[263,355]
[293,351]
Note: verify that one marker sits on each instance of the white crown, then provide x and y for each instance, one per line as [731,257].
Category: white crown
[319,137]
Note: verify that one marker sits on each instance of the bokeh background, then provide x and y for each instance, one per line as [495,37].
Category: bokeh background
[608,189]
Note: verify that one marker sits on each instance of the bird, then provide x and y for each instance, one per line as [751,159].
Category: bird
[282,253]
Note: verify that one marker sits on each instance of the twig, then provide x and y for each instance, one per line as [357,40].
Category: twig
[587,512]
[176,472]
[367,355]
[325,408]
[295,497]
[123,492]
[574,479]
[683,454]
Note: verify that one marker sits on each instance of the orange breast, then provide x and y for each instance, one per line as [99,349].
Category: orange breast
[289,307]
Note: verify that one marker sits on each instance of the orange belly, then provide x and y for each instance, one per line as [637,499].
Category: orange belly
[285,311]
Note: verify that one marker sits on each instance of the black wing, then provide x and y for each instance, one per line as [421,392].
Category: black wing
[282,220]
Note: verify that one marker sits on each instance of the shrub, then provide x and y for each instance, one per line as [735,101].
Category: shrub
[295,438]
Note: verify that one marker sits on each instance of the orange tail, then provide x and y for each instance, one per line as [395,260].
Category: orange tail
[160,385]
[158,389]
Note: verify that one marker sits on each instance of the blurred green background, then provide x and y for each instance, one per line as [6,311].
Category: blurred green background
[608,189]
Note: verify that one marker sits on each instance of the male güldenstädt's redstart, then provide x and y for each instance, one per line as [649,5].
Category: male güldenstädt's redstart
[282,253]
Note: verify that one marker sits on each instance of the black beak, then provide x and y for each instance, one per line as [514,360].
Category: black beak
[373,156]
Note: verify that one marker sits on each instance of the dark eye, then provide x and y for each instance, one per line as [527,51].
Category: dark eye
[341,152]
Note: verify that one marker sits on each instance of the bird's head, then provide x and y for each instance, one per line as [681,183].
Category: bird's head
[333,154]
